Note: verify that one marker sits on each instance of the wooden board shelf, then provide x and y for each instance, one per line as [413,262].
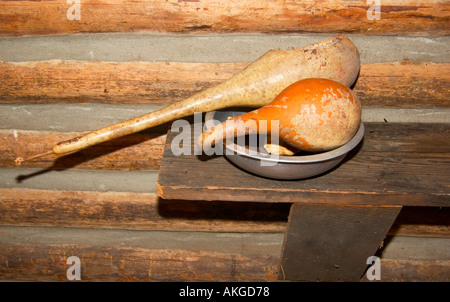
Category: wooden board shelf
[397,164]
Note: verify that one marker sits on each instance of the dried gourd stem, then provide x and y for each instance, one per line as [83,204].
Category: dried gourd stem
[18,161]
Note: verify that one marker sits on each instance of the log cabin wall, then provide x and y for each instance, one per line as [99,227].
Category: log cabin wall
[70,68]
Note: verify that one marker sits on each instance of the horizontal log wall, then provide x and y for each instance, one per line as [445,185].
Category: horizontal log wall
[41,253]
[146,211]
[408,85]
[101,203]
[134,152]
[430,17]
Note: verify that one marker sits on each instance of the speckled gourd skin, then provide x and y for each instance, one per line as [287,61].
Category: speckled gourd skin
[311,115]
[255,86]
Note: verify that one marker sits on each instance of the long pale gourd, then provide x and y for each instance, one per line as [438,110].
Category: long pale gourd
[255,86]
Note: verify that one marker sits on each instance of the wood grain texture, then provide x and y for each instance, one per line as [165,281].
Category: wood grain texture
[406,85]
[40,253]
[337,248]
[47,262]
[146,211]
[142,151]
[428,17]
[393,173]
[409,85]
[414,270]
[143,211]
[126,236]
[108,82]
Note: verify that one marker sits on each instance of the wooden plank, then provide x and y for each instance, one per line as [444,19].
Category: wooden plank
[415,258]
[410,139]
[337,247]
[404,85]
[141,151]
[426,17]
[40,253]
[144,150]
[144,211]
[117,265]
[391,174]
[394,270]
[48,263]
[121,255]
[148,212]
[108,82]
[376,191]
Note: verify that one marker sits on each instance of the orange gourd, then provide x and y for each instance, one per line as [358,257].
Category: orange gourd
[312,115]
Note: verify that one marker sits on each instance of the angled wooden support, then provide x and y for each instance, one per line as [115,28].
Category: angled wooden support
[333,242]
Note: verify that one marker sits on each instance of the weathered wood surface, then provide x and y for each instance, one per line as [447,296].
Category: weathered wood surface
[337,248]
[429,17]
[405,85]
[111,82]
[385,173]
[415,270]
[40,253]
[144,151]
[114,264]
[124,231]
[145,211]
[48,263]
[121,255]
